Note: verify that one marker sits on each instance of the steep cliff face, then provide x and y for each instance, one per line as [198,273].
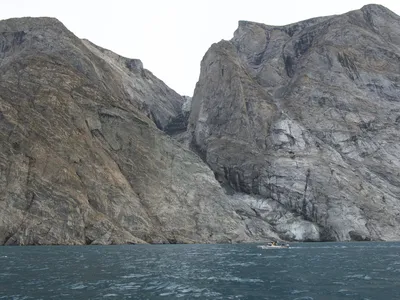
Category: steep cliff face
[307,116]
[81,158]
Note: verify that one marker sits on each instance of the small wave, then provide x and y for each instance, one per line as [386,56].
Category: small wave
[15,297]
[304,298]
[173,287]
[294,292]
[246,264]
[8,274]
[166,294]
[125,286]
[236,279]
[359,276]
[110,295]
[355,276]
[178,291]
[174,276]
[135,276]
[211,294]
[78,286]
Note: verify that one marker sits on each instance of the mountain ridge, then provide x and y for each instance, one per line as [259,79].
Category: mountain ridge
[291,134]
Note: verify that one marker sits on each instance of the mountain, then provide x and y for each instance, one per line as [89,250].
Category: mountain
[307,116]
[292,134]
[83,158]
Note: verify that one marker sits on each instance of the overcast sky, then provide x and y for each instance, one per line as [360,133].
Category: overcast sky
[171,36]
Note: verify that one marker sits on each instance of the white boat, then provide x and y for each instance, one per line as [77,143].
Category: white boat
[274,246]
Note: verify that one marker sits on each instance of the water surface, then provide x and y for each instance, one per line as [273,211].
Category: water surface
[306,271]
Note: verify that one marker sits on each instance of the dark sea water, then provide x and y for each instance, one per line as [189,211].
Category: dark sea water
[306,271]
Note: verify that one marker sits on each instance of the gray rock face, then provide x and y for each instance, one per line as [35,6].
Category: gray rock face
[306,116]
[298,125]
[81,158]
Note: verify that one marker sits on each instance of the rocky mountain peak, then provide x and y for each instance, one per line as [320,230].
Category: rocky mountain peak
[377,8]
[34,29]
[29,23]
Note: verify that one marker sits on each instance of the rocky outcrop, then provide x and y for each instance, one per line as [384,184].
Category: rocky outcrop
[82,159]
[177,127]
[145,91]
[306,117]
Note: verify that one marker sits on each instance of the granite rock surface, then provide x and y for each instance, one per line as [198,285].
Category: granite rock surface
[307,116]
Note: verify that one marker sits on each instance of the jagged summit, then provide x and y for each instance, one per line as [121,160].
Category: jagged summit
[375,9]
[308,21]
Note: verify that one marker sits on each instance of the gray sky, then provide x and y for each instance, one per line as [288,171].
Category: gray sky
[171,36]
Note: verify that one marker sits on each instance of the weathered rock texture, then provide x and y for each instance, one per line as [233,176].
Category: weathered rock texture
[82,159]
[307,116]
[299,125]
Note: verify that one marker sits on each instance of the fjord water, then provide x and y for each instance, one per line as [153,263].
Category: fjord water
[306,271]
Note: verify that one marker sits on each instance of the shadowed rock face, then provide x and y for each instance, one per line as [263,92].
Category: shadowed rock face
[307,116]
[81,158]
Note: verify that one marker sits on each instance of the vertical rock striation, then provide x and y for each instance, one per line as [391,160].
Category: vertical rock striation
[82,159]
[292,133]
[307,116]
